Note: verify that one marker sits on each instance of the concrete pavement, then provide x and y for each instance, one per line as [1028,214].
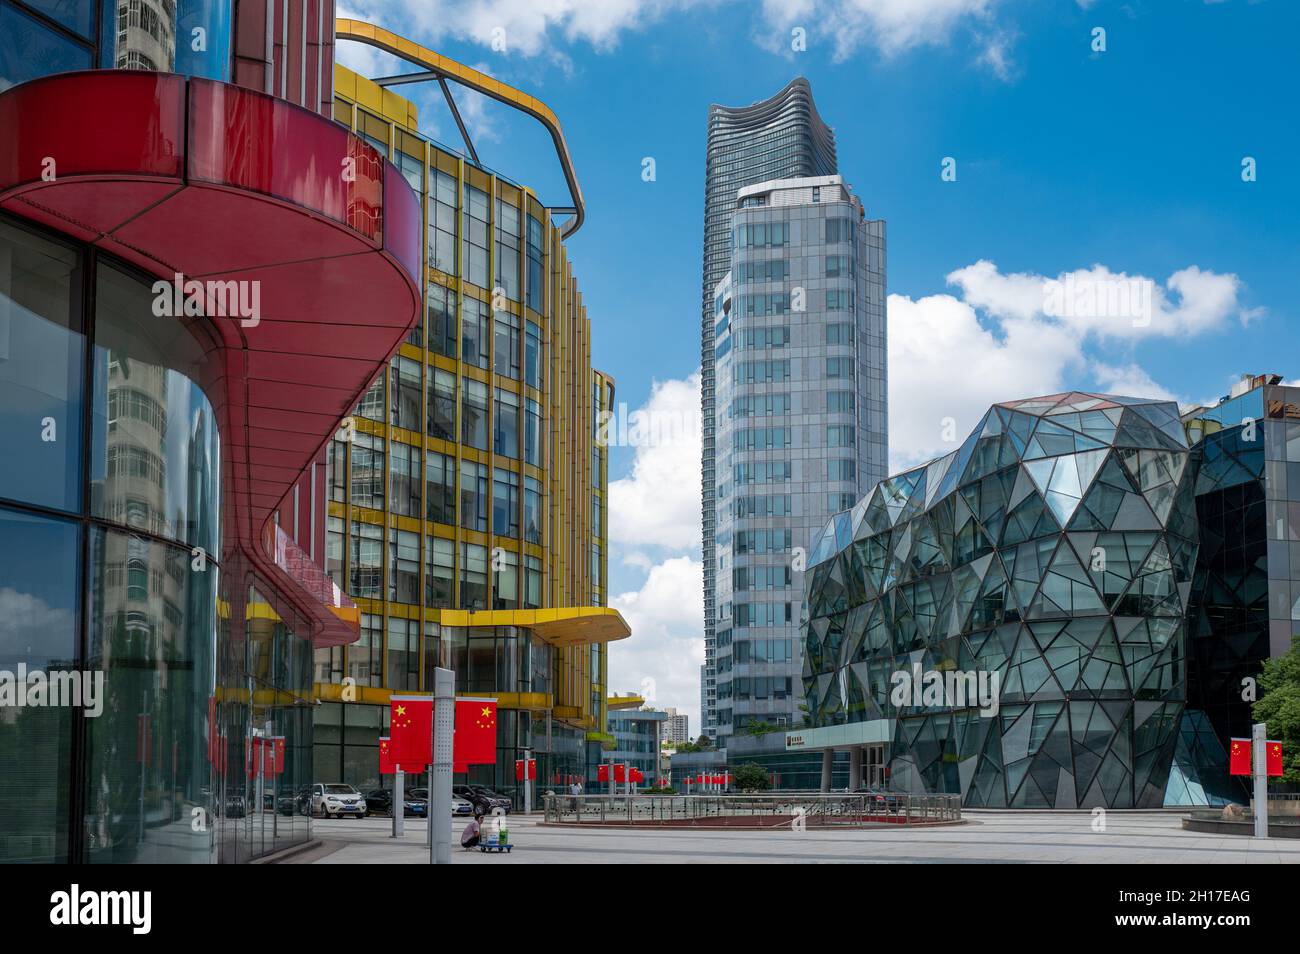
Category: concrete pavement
[1001,837]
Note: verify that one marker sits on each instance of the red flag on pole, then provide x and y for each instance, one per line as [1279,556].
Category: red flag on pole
[275,752]
[1273,761]
[602,772]
[410,736]
[620,772]
[1239,757]
[475,741]
[386,766]
[525,771]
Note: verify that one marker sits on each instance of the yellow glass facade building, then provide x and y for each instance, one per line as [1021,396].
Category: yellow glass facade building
[467,494]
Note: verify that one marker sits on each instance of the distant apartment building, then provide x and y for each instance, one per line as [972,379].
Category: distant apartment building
[636,734]
[776,138]
[799,332]
[677,729]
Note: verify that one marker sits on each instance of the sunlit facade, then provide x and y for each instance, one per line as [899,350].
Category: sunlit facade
[467,497]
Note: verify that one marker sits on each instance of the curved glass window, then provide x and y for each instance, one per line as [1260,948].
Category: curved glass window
[155,450]
[41,369]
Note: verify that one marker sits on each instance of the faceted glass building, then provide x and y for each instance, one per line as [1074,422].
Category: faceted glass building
[1054,549]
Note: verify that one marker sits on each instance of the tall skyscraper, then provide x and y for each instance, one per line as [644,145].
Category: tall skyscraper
[799,329]
[776,138]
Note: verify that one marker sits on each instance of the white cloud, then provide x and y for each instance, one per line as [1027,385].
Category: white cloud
[30,627]
[539,27]
[1001,337]
[662,658]
[658,504]
[654,528]
[1130,380]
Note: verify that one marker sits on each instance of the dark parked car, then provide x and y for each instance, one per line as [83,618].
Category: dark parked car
[482,798]
[459,806]
[379,801]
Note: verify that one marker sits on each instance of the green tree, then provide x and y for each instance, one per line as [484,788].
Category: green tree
[751,777]
[1279,707]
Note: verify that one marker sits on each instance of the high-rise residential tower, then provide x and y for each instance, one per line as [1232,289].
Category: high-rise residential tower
[776,138]
[799,327]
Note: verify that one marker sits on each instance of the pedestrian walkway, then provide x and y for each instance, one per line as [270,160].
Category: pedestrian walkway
[1000,837]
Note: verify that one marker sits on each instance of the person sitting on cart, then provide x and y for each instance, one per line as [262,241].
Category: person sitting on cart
[469,838]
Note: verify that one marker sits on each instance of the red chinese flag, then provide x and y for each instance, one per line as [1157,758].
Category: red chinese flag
[699,780]
[386,766]
[410,735]
[620,772]
[1273,761]
[274,750]
[519,770]
[475,741]
[637,775]
[1239,757]
[253,756]
[602,772]
[532,769]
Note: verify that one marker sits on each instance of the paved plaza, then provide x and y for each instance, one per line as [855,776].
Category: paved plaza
[1000,837]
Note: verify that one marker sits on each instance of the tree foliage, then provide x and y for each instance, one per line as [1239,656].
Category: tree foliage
[1279,708]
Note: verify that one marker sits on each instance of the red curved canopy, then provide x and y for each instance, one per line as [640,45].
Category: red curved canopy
[222,184]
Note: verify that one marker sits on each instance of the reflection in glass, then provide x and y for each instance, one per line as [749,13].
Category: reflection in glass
[155,450]
[151,630]
[40,372]
[39,591]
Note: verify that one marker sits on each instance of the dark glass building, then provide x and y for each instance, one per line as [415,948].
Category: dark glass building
[778,138]
[1245,599]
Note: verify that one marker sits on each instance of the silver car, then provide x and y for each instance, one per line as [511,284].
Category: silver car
[335,799]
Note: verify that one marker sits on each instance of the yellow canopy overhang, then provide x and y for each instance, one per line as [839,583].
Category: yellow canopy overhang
[624,702]
[559,626]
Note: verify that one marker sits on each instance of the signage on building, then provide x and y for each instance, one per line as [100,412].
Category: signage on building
[793,740]
[1287,409]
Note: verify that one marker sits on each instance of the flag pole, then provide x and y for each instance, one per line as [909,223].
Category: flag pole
[1259,743]
[528,784]
[399,804]
[444,715]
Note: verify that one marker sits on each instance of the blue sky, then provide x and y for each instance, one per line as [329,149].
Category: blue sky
[1127,161]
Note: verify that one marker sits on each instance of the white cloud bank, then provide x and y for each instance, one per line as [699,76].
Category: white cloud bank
[1005,336]
[536,28]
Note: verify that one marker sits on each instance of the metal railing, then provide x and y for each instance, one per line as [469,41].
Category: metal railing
[768,810]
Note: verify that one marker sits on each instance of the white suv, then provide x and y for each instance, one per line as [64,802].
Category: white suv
[336,800]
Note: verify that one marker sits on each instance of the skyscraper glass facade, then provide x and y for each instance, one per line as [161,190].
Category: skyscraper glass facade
[801,389]
[777,138]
